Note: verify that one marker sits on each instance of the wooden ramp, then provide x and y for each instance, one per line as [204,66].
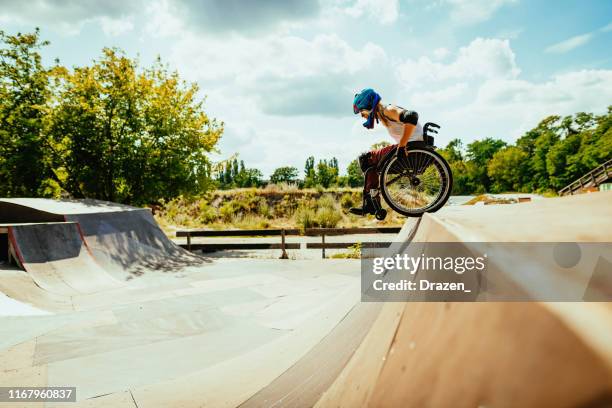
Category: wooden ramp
[280,333]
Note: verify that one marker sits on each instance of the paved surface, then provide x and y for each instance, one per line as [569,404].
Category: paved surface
[177,330]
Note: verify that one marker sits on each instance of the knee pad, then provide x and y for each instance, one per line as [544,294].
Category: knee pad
[364,161]
[409,117]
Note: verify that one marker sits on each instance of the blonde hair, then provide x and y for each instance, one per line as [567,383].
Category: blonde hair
[381,116]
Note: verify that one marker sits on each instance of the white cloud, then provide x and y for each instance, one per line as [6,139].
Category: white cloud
[69,16]
[481,59]
[475,11]
[437,98]
[287,75]
[384,11]
[440,53]
[607,28]
[163,20]
[223,16]
[506,108]
[115,27]
[569,44]
[479,92]
[248,60]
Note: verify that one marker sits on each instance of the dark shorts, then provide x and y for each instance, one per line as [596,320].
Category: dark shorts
[376,156]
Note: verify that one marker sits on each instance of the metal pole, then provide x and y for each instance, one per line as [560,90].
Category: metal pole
[284,253]
[323,247]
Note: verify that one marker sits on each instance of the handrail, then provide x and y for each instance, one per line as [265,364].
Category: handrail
[591,178]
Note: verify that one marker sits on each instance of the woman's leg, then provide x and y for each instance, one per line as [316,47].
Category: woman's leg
[368,162]
[376,156]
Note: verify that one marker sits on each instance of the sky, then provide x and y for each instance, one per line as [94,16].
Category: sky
[281,74]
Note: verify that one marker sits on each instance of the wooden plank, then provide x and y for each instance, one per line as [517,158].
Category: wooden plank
[236,233]
[347,231]
[343,245]
[234,246]
[289,231]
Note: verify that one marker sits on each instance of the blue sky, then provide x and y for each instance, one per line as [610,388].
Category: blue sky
[281,74]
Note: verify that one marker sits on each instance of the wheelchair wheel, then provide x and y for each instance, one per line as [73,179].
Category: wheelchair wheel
[415,184]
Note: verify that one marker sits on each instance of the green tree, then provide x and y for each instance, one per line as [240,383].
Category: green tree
[479,152]
[327,173]
[536,143]
[310,176]
[453,151]
[24,91]
[507,169]
[286,174]
[235,169]
[121,133]
[354,173]
[249,178]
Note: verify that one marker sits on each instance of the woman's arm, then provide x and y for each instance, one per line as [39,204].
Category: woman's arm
[408,130]
[408,118]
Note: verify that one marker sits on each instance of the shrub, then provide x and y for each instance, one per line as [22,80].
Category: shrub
[205,213]
[326,201]
[250,221]
[305,217]
[227,211]
[346,201]
[327,217]
[354,252]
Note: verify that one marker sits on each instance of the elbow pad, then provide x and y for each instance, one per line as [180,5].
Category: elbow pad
[409,117]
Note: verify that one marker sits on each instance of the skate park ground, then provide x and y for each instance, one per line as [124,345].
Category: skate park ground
[101,300]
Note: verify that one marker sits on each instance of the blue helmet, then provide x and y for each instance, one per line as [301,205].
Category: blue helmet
[367,99]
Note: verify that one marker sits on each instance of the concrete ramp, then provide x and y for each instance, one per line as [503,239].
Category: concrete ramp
[261,333]
[125,240]
[131,242]
[57,258]
[530,354]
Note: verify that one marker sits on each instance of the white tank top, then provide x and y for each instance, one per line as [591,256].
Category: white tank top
[396,130]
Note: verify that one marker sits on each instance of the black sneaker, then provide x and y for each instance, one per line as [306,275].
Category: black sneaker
[365,210]
[358,211]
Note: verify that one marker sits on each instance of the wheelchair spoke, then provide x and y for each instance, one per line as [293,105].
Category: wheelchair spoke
[416,181]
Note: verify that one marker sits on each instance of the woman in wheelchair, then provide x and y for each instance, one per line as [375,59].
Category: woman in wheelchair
[403,126]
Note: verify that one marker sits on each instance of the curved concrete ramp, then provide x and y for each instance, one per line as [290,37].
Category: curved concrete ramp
[57,258]
[263,333]
[131,242]
[125,240]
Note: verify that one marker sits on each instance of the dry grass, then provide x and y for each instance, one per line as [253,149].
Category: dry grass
[487,200]
[278,206]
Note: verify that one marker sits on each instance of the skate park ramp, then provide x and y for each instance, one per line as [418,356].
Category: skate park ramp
[237,332]
[124,240]
[57,258]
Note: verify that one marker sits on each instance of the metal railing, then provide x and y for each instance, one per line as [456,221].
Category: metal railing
[592,179]
[283,233]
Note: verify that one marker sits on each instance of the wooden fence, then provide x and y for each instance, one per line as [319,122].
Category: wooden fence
[283,233]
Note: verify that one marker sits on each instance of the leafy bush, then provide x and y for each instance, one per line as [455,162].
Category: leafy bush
[327,217]
[322,213]
[347,201]
[206,213]
[305,217]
